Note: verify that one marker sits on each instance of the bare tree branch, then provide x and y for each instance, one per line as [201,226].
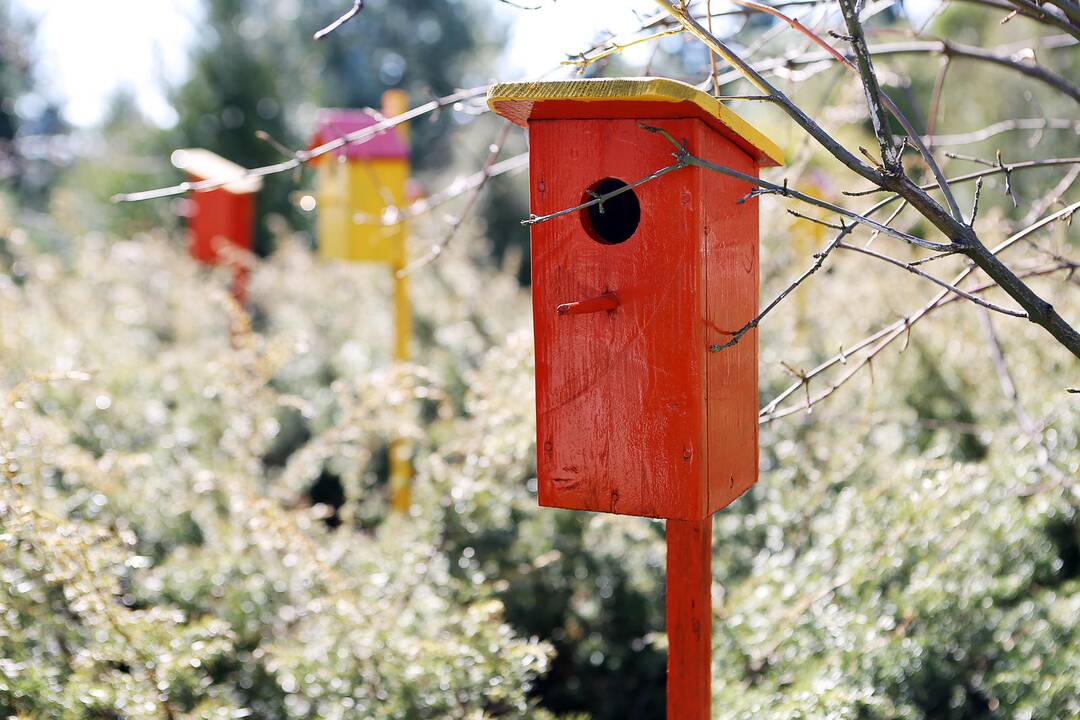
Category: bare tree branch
[976,136]
[1002,55]
[889,151]
[600,199]
[879,119]
[951,49]
[961,235]
[937,281]
[454,190]
[819,260]
[1069,7]
[764,187]
[883,337]
[996,169]
[485,174]
[304,156]
[1031,10]
[358,5]
[1008,387]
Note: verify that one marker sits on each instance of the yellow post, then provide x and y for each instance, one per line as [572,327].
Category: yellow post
[356,186]
[401,470]
[395,102]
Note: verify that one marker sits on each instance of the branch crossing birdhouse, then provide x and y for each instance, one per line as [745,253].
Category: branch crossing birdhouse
[635,414]
[361,188]
[222,216]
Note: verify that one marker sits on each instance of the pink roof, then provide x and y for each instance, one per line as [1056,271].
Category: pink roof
[333,123]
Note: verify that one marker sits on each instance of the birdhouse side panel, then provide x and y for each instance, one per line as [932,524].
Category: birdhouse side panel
[620,391]
[732,244]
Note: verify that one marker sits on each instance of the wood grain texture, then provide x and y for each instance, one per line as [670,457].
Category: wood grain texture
[634,415]
[689,619]
[731,300]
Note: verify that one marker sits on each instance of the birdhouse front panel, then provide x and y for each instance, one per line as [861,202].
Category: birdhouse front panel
[376,192]
[333,223]
[224,216]
[620,391]
[219,220]
[635,415]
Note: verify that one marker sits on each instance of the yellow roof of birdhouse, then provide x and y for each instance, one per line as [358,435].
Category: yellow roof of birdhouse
[595,97]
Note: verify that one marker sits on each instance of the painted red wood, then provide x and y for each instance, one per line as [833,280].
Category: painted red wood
[634,414]
[689,619]
[221,218]
[731,300]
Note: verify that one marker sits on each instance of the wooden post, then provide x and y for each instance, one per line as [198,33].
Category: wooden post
[396,102]
[689,619]
[401,470]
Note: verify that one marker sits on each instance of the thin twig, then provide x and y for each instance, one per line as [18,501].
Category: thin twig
[819,260]
[614,48]
[1047,200]
[997,128]
[358,5]
[1008,387]
[884,336]
[1002,55]
[454,190]
[304,156]
[536,219]
[874,93]
[1030,10]
[712,55]
[995,169]
[937,281]
[485,175]
[935,101]
[764,187]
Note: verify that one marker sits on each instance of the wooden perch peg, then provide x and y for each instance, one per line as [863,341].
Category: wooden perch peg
[603,303]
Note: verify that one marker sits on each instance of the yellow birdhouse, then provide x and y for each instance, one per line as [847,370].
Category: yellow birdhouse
[361,191]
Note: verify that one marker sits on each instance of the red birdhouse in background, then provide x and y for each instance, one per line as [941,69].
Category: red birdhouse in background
[635,415]
[222,217]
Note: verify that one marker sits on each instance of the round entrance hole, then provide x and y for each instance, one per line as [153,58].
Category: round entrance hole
[615,219]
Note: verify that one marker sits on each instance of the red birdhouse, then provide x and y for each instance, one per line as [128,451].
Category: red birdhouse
[221,217]
[635,414]
[225,215]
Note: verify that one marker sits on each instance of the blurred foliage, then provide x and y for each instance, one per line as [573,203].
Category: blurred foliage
[13,72]
[29,119]
[159,529]
[155,568]
[193,500]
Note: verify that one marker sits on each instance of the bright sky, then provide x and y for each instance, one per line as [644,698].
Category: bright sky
[88,50]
